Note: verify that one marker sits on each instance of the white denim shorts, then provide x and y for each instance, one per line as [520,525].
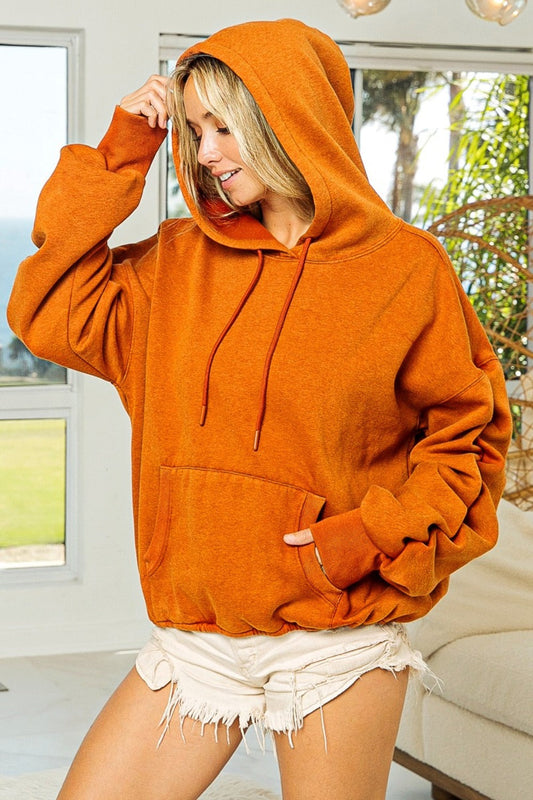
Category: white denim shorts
[270,682]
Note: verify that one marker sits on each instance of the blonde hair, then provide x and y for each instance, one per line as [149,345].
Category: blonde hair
[226,97]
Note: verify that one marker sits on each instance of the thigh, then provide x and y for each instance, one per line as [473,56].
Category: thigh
[119,760]
[360,726]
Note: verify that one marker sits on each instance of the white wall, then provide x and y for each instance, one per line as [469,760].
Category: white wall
[103,608]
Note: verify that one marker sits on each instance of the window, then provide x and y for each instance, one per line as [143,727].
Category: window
[433,140]
[38,400]
[32,491]
[172,203]
[33,150]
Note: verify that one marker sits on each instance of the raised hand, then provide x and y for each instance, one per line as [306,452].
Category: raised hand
[149,101]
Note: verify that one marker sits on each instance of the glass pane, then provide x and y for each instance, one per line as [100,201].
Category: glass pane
[32,492]
[176,205]
[432,141]
[33,150]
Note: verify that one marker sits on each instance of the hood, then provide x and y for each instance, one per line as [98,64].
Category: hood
[302,83]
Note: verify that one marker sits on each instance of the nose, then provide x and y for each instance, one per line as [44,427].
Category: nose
[208,152]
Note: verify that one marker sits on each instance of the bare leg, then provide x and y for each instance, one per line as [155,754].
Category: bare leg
[361,727]
[118,759]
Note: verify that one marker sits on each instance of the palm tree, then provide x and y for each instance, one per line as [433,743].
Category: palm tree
[393,98]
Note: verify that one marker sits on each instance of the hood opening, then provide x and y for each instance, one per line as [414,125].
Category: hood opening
[307,99]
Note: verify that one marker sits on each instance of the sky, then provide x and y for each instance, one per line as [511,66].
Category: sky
[33,123]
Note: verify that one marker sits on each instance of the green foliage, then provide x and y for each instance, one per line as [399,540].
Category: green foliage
[490,246]
[491,151]
[495,285]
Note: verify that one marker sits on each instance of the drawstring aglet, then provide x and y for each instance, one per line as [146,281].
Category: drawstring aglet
[203,414]
[256,439]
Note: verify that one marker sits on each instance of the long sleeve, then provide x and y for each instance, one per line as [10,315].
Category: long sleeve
[415,535]
[73,300]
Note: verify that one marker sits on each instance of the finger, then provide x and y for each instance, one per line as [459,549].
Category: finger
[156,94]
[149,101]
[154,112]
[299,538]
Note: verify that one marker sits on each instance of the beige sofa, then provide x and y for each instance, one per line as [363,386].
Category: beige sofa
[472,737]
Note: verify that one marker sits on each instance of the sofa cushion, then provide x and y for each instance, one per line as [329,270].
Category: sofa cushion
[490,675]
[495,760]
[493,593]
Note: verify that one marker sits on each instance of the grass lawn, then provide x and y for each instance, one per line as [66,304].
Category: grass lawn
[32,482]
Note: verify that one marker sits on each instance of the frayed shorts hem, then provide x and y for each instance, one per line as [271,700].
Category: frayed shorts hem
[268,683]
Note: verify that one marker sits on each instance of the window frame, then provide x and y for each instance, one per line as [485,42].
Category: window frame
[53,401]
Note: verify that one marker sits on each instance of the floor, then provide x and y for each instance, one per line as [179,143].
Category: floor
[51,700]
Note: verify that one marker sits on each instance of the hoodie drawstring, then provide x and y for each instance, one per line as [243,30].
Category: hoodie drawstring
[244,298]
[273,343]
[275,339]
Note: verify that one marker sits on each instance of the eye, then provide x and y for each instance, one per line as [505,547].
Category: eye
[223,131]
[194,135]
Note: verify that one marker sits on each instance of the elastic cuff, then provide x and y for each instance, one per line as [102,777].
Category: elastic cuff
[347,553]
[130,143]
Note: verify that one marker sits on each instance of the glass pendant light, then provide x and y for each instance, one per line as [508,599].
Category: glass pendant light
[361,8]
[501,11]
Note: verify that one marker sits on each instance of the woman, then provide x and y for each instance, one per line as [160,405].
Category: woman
[319,422]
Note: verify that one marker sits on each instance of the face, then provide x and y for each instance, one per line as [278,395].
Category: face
[219,153]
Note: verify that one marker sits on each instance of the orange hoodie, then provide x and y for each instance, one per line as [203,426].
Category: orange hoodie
[345,385]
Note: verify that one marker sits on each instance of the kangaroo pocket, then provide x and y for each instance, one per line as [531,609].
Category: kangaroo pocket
[217,556]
